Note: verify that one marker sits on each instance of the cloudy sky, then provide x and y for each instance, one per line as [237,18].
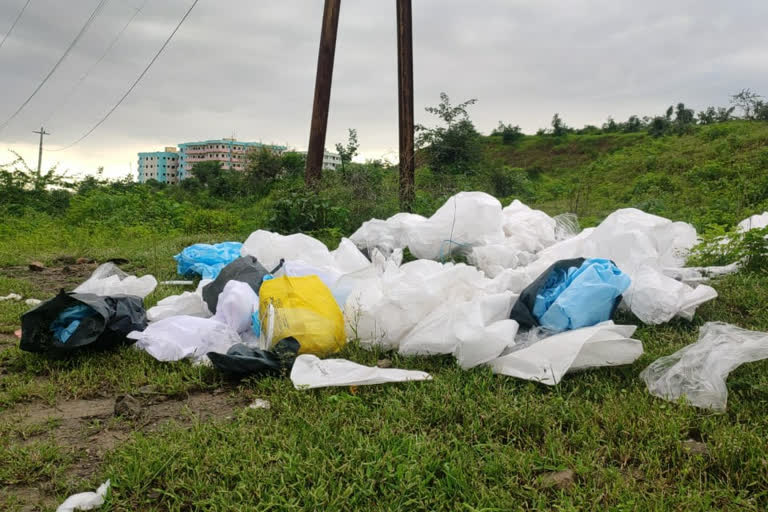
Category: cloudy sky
[247,68]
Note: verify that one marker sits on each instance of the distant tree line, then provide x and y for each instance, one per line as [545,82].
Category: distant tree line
[677,120]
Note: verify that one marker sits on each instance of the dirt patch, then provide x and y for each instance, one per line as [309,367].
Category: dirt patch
[90,428]
[7,341]
[52,279]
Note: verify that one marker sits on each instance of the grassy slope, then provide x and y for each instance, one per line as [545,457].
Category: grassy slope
[467,440]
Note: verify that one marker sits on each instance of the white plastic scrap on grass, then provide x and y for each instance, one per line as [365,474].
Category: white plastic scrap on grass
[310,372]
[85,500]
[549,359]
[698,372]
[109,280]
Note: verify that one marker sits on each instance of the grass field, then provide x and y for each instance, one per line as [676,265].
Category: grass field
[468,440]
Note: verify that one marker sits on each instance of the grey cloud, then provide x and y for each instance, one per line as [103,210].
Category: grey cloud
[249,67]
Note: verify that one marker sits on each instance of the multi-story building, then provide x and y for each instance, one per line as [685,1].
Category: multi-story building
[162,166]
[230,152]
[331,161]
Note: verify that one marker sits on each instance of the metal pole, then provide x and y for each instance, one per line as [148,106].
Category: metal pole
[405,102]
[316,149]
[40,151]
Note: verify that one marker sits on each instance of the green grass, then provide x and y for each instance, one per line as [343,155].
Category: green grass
[468,440]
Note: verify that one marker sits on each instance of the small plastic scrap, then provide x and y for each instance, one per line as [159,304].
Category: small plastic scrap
[33,302]
[311,372]
[85,500]
[698,372]
[11,296]
[108,281]
[548,359]
[177,282]
[260,403]
[206,260]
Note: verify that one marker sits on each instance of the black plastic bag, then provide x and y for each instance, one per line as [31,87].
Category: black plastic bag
[241,361]
[111,320]
[244,269]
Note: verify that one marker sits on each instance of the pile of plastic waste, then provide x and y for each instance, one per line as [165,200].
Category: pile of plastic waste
[536,300]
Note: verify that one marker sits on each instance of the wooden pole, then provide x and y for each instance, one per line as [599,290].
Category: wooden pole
[316,149]
[405,102]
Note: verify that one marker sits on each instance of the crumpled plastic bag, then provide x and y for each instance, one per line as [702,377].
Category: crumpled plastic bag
[270,248]
[109,280]
[475,332]
[245,269]
[181,337]
[85,500]
[642,246]
[579,296]
[236,305]
[302,308]
[465,220]
[186,303]
[698,371]
[549,359]
[97,322]
[206,260]
[310,372]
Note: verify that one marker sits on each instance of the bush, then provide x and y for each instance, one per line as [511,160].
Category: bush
[721,248]
[302,210]
[507,181]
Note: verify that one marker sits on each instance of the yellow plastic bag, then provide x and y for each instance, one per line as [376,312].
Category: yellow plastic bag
[302,307]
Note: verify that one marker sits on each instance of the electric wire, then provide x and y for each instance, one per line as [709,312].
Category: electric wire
[133,86]
[13,25]
[77,38]
[69,94]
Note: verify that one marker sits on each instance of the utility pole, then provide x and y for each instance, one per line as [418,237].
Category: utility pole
[316,149]
[40,152]
[405,102]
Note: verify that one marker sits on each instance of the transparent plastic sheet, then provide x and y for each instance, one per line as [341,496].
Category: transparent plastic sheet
[109,280]
[310,372]
[547,360]
[566,226]
[698,372]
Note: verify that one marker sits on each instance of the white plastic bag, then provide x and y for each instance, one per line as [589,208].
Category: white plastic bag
[85,500]
[237,303]
[548,359]
[698,371]
[109,280]
[181,337]
[753,222]
[269,248]
[312,372]
[186,303]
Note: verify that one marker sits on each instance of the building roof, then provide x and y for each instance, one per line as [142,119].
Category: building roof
[158,153]
[229,142]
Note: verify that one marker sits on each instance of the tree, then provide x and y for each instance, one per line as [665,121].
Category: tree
[293,163]
[509,134]
[262,167]
[658,126]
[558,126]
[684,116]
[454,148]
[748,102]
[633,124]
[348,153]
[610,126]
[207,172]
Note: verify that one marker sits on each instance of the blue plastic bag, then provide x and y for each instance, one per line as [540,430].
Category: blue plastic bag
[207,260]
[580,297]
[69,320]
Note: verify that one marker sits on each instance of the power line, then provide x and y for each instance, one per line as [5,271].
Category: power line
[85,75]
[133,86]
[88,23]
[13,25]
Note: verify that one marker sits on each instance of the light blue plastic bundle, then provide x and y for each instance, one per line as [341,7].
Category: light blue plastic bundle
[580,297]
[207,260]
